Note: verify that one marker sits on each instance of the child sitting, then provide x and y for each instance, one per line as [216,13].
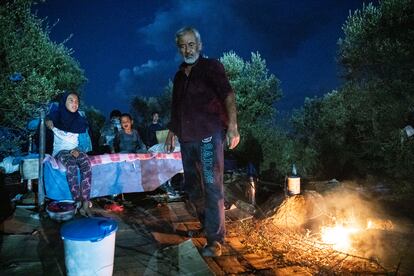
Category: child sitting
[128,140]
[66,124]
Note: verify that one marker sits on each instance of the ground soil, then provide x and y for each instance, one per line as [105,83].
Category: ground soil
[151,222]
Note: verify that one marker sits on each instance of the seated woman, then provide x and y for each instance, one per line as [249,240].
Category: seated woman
[67,124]
[127,139]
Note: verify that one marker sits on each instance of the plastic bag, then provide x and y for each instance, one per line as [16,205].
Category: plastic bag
[8,166]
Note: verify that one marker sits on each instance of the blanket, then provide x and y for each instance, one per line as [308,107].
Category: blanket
[114,174]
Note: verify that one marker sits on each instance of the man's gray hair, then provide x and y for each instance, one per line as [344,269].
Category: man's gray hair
[186,30]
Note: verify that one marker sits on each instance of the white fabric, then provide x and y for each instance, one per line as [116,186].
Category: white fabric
[64,140]
[159,148]
[409,130]
[7,165]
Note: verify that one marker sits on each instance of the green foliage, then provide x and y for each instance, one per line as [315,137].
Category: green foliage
[357,130]
[378,42]
[96,121]
[256,93]
[320,128]
[256,90]
[142,107]
[46,67]
[378,59]
[279,150]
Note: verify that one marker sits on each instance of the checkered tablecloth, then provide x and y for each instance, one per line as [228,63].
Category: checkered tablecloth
[115,174]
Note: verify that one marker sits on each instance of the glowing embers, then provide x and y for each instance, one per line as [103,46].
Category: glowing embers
[342,236]
[339,236]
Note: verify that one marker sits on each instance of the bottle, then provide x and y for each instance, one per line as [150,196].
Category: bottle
[251,186]
[294,172]
[252,191]
[293,183]
[30,148]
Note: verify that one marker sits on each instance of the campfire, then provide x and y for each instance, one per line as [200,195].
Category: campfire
[339,236]
[322,233]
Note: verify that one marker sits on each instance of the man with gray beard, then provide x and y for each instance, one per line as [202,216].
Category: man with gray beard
[203,117]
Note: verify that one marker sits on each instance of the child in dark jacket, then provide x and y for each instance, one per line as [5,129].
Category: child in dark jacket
[128,139]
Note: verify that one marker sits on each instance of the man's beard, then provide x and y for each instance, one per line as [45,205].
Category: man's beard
[191,59]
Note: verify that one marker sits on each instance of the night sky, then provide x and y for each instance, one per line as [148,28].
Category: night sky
[127,47]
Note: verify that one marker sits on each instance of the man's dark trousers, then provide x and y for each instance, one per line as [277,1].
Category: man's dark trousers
[203,163]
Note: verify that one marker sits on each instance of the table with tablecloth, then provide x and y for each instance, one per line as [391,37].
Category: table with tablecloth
[114,174]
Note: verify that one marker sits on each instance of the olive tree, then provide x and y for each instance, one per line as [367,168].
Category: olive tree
[33,69]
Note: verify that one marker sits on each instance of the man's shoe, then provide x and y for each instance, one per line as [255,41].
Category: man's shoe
[211,250]
[197,233]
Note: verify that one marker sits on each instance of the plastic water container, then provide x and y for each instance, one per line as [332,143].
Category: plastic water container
[89,246]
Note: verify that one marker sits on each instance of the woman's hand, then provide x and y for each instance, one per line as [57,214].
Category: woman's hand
[74,153]
[49,124]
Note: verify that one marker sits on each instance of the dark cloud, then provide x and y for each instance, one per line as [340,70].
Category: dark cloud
[148,79]
[219,26]
[281,31]
[276,27]
[296,38]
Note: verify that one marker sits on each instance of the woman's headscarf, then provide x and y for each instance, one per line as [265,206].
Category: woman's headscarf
[65,120]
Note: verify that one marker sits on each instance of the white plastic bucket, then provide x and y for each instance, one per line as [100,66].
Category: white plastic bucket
[89,246]
[293,185]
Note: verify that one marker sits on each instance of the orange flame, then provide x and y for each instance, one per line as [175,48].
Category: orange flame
[339,236]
